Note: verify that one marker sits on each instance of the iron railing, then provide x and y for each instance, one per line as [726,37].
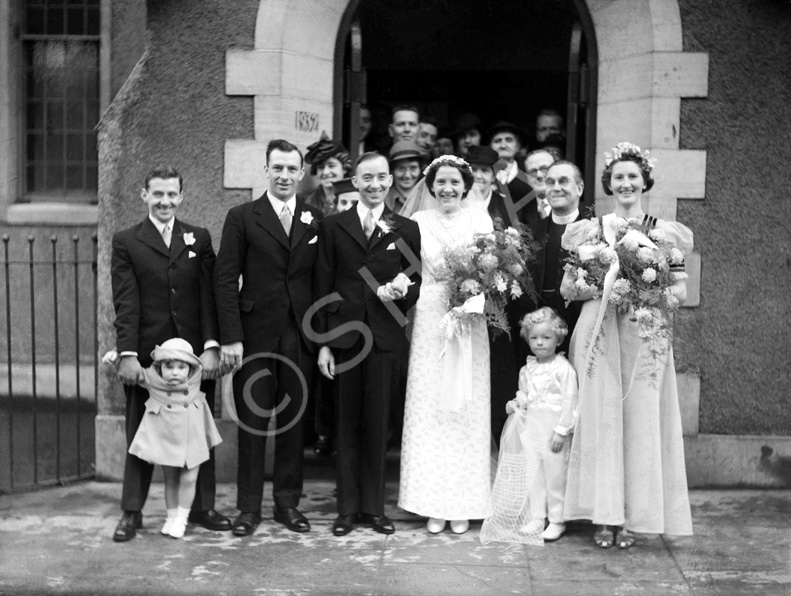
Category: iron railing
[48,399]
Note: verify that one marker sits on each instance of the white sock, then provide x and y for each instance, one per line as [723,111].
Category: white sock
[179,525]
[168,521]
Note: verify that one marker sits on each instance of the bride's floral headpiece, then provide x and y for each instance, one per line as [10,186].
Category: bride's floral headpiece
[446,160]
[625,148]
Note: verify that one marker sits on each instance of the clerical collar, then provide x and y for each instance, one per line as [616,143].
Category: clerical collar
[563,220]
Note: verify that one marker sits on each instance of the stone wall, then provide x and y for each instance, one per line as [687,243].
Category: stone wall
[738,340]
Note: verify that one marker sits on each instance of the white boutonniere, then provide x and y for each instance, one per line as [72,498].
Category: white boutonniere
[306,218]
[383,225]
[189,239]
[191,254]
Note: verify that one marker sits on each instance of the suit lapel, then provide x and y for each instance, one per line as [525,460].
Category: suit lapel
[298,229]
[269,221]
[150,236]
[177,244]
[349,221]
[378,234]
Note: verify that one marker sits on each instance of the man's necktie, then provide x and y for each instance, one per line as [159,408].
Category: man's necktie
[285,219]
[369,224]
[166,235]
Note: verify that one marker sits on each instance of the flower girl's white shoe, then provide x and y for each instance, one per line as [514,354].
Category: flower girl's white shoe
[435,526]
[553,532]
[168,522]
[459,526]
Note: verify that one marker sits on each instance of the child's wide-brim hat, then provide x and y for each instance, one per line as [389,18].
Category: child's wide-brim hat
[175,349]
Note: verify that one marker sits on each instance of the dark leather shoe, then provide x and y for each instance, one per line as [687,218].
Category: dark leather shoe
[211,520]
[129,524]
[246,523]
[323,446]
[379,523]
[343,524]
[292,519]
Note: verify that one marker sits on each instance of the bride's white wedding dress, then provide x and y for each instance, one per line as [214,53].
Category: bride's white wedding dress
[445,454]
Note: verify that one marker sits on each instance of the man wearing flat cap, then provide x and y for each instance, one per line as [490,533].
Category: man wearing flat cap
[406,162]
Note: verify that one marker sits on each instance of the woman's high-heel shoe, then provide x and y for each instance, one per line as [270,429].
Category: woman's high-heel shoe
[459,526]
[435,526]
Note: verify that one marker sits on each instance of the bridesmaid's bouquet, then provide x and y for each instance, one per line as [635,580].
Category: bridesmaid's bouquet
[645,260]
[483,277]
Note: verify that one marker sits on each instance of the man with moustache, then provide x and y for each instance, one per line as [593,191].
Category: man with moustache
[564,186]
[162,288]
[271,243]
[367,278]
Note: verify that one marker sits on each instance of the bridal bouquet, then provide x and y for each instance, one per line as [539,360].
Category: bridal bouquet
[483,277]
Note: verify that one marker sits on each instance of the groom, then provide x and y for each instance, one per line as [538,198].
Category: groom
[367,278]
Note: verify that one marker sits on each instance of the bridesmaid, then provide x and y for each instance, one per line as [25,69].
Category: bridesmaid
[627,471]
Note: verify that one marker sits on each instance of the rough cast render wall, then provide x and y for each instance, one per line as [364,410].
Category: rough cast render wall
[174,110]
[738,339]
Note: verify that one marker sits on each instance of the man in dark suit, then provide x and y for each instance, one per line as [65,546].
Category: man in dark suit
[271,243]
[367,278]
[564,186]
[162,288]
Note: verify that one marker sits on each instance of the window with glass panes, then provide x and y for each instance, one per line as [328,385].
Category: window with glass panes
[60,40]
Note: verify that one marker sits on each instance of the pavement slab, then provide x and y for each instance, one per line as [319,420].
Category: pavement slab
[58,541]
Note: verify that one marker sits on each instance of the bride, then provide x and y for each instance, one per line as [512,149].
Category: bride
[446,438]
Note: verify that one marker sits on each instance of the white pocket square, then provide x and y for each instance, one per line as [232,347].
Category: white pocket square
[313,240]
[391,246]
[191,254]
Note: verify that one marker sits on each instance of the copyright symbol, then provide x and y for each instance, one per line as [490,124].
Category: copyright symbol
[255,409]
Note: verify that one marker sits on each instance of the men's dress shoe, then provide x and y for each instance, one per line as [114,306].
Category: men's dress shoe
[343,524]
[292,519]
[211,520]
[246,523]
[127,527]
[379,523]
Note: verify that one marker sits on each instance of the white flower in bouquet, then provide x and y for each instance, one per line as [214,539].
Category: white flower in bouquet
[488,262]
[516,289]
[512,232]
[645,317]
[606,255]
[471,286]
[649,275]
[646,254]
[515,269]
[500,283]
[676,256]
[657,235]
[621,287]
[630,243]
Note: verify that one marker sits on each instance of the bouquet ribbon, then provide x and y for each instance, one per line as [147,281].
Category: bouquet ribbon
[457,356]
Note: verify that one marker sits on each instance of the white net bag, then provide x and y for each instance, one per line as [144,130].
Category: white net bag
[514,517]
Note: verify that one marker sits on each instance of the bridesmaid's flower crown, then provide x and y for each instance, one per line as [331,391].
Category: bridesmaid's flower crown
[447,160]
[625,148]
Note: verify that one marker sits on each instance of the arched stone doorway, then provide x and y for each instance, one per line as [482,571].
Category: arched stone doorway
[643,74]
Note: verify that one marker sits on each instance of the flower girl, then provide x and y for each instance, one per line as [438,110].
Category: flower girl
[531,473]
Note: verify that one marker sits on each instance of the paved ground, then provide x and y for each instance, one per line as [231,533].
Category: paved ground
[57,541]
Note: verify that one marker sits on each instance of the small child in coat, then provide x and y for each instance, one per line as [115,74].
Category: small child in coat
[177,430]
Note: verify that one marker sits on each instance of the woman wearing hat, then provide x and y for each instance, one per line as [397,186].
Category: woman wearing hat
[330,162]
[177,430]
